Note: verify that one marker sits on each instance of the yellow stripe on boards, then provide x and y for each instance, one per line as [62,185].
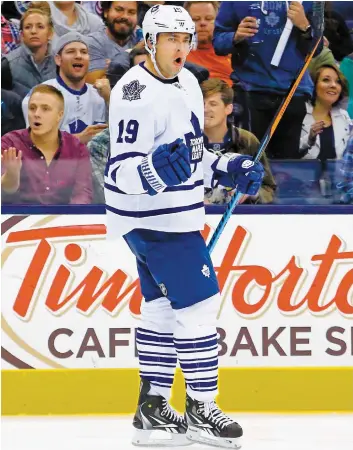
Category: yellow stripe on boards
[115,391]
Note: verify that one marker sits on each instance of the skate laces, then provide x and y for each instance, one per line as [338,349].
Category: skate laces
[212,412]
[169,412]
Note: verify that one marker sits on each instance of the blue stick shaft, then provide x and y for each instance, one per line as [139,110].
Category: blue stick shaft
[233,202]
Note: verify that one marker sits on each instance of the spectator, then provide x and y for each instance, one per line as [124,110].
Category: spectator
[44,6]
[42,165]
[345,187]
[10,36]
[325,129]
[325,58]
[14,10]
[222,137]
[69,16]
[32,62]
[337,33]
[346,68]
[93,7]
[204,15]
[118,67]
[116,70]
[11,103]
[6,75]
[259,86]
[85,105]
[119,35]
[11,112]
[99,148]
[99,145]
[138,54]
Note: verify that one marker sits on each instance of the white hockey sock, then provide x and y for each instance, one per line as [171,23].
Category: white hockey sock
[157,360]
[195,339]
[198,358]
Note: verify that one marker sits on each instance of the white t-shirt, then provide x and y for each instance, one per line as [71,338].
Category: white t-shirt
[82,108]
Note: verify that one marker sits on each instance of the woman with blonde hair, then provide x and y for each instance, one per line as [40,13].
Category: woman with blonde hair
[32,62]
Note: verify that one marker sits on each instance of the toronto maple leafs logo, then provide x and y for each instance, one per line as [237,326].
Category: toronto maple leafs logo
[206,271]
[272,19]
[132,91]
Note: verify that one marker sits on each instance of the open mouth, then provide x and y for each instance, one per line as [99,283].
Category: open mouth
[178,61]
[77,66]
[36,124]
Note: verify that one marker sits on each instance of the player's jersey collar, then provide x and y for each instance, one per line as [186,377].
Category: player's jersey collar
[219,146]
[173,80]
[72,91]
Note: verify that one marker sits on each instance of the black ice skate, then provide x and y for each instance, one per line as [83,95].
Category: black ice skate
[209,425]
[154,418]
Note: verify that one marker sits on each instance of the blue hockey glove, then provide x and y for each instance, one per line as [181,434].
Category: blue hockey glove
[241,172]
[168,165]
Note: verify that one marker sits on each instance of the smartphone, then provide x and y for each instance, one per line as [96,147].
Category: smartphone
[139,34]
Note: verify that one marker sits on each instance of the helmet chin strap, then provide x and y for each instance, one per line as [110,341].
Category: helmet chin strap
[153,52]
[153,57]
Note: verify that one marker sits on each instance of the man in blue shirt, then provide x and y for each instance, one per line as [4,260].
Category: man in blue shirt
[250,31]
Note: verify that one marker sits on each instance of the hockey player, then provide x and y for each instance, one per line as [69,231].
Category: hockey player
[154,187]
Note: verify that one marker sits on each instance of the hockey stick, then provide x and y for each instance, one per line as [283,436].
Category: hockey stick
[270,130]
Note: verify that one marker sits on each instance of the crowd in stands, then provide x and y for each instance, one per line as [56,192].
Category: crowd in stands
[60,61]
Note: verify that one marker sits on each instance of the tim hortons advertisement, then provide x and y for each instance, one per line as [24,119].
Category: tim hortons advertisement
[71,299]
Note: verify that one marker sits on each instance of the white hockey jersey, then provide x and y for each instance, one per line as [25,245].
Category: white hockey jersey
[82,108]
[146,112]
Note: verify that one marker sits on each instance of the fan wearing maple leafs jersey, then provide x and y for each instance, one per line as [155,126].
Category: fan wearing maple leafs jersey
[154,190]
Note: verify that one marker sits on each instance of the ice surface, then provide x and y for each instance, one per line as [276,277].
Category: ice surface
[261,432]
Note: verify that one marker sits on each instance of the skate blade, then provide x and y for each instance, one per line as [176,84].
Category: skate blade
[144,438]
[196,435]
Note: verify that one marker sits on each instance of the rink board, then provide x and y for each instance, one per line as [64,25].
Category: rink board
[114,391]
[71,306]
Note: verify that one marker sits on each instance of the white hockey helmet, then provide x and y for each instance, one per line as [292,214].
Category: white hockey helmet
[166,19]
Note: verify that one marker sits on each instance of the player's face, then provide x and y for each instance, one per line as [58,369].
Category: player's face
[121,19]
[328,87]
[45,112]
[216,111]
[36,31]
[204,15]
[172,50]
[74,61]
